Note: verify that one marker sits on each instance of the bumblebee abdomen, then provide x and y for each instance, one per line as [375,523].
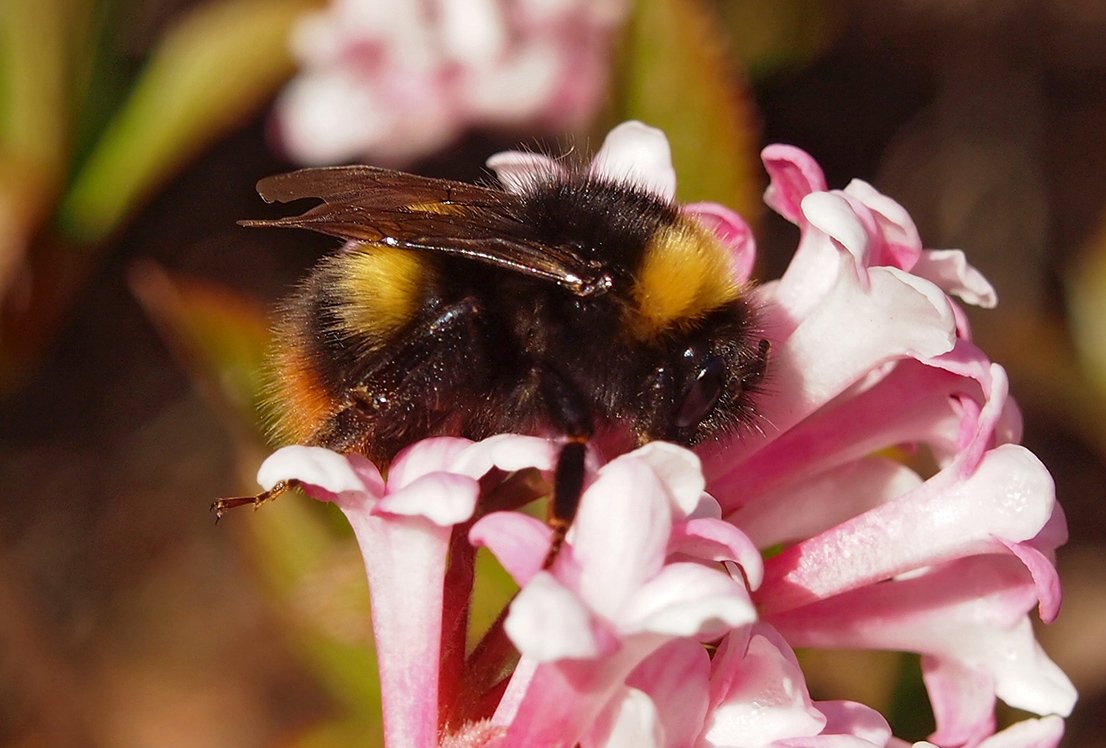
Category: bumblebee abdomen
[300,401]
[378,290]
[338,327]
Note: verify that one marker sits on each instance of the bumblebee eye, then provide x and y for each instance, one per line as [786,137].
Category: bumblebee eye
[703,394]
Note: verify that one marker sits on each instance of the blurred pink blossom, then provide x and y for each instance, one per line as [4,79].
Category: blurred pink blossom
[659,624]
[392,80]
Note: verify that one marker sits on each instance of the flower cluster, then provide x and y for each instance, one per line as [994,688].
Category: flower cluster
[392,80]
[664,621]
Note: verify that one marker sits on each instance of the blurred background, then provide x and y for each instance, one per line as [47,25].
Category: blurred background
[133,310]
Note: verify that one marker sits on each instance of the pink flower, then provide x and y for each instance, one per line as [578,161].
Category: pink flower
[659,624]
[404,527]
[637,574]
[392,80]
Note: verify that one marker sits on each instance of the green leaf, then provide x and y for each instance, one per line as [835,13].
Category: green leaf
[1086,287]
[340,735]
[771,35]
[220,337]
[676,75]
[492,592]
[910,714]
[34,85]
[215,67]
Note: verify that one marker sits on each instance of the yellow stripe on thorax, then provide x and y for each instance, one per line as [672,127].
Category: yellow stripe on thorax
[684,274]
[380,289]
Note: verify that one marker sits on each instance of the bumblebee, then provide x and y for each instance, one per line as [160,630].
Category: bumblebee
[581,305]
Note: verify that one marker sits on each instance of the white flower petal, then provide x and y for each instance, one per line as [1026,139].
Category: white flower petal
[547,622]
[949,269]
[766,698]
[679,470]
[803,511]
[637,153]
[837,218]
[432,455]
[508,452]
[688,599]
[443,498]
[620,535]
[631,721]
[519,171]
[316,466]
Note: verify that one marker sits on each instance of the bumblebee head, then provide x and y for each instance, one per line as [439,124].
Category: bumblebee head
[704,383]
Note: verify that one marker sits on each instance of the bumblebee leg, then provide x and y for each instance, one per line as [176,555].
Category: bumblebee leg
[568,484]
[222,505]
[426,380]
[569,410]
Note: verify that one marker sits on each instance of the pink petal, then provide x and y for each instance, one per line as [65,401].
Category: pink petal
[443,498]
[640,154]
[713,540]
[914,403]
[519,542]
[431,455]
[402,555]
[765,697]
[734,233]
[979,432]
[631,722]
[518,171]
[564,699]
[971,613]
[949,269]
[547,622]
[688,599]
[317,468]
[851,229]
[794,175]
[676,677]
[858,720]
[822,501]
[707,508]
[1045,578]
[621,533]
[901,317]
[901,244]
[679,471]
[1010,496]
[508,452]
[963,700]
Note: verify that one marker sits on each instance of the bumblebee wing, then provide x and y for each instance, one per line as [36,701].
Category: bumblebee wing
[373,187]
[368,204]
